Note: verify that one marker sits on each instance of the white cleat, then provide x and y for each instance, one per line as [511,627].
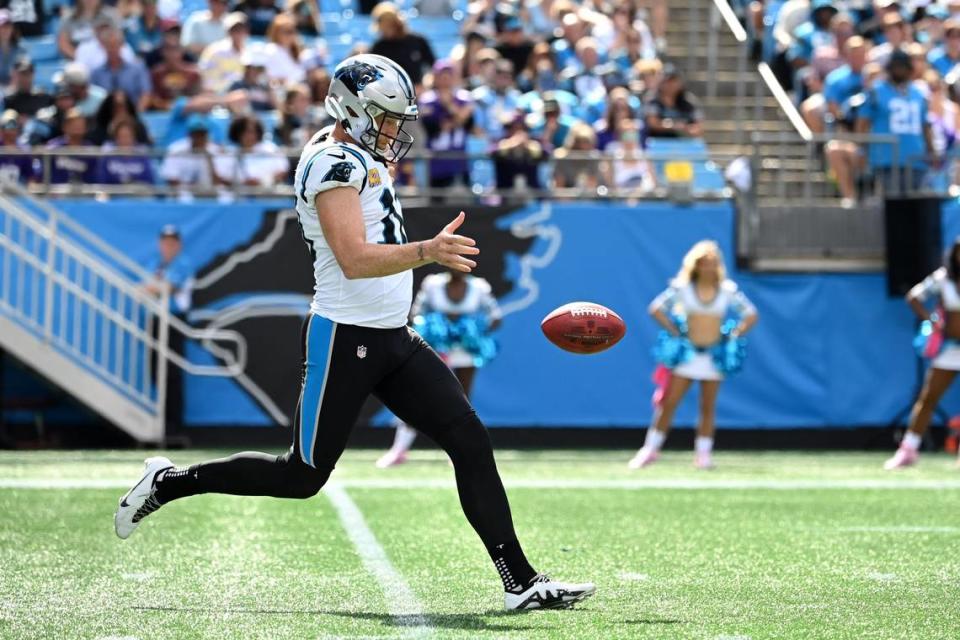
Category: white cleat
[544,593]
[139,502]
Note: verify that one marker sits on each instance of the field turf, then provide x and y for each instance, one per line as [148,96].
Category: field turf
[767,546]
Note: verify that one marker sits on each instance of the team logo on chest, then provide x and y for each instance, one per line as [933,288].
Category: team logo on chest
[361,352]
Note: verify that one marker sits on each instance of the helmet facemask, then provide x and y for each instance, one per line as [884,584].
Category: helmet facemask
[385,136]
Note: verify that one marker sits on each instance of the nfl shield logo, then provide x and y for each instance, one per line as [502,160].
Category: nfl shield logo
[361,352]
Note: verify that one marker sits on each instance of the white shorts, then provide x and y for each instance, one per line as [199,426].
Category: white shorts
[948,359]
[699,367]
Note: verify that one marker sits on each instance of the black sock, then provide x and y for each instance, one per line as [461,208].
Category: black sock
[512,565]
[174,483]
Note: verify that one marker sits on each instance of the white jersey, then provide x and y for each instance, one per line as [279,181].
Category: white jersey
[682,299]
[381,303]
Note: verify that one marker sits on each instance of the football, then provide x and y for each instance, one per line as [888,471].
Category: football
[583,327]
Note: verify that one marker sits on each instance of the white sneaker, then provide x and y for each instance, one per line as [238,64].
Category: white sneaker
[139,502]
[544,593]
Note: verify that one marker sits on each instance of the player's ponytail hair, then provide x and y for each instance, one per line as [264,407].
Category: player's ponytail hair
[688,269]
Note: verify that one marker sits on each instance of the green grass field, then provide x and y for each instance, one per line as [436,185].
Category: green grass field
[766,546]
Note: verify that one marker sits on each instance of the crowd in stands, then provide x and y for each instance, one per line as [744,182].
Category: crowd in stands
[240,87]
[876,80]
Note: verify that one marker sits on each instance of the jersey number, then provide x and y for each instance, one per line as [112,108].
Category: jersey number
[393,232]
[904,117]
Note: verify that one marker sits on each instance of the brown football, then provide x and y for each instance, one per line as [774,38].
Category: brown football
[583,327]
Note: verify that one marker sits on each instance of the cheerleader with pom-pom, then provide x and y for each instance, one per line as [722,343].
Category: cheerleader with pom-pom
[938,340]
[455,313]
[699,342]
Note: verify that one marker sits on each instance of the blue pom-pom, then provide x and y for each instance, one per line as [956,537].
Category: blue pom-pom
[468,332]
[731,351]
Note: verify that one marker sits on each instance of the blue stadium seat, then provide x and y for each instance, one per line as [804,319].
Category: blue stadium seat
[41,48]
[677,148]
[435,28]
[269,121]
[43,73]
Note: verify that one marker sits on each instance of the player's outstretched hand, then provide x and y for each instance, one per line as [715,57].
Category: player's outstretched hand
[450,250]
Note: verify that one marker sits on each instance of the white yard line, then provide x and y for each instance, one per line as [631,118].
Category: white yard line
[520,483]
[402,604]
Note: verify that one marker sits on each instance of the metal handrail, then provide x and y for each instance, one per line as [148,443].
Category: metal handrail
[784,101]
[730,17]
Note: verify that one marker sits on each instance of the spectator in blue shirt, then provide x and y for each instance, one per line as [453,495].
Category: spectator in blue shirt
[945,57]
[133,166]
[119,75]
[813,33]
[843,83]
[895,107]
[173,270]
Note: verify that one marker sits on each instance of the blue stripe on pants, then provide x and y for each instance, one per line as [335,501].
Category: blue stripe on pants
[320,336]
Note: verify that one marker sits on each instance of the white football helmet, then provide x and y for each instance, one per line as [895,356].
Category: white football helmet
[373,98]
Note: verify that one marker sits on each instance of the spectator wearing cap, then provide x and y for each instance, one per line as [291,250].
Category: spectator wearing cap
[221,63]
[496,102]
[144,32]
[896,107]
[813,33]
[22,96]
[172,272]
[78,24]
[581,76]
[409,50]
[517,157]
[284,51]
[946,56]
[14,166]
[203,28]
[87,97]
[117,107]
[47,124]
[512,43]
[252,161]
[119,75]
[260,13]
[126,160]
[673,112]
[895,35]
[29,16]
[446,112]
[190,162]
[254,81]
[173,75]
[10,49]
[66,167]
[92,53]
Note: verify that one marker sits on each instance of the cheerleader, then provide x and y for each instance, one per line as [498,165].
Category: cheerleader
[454,312]
[701,346]
[939,339]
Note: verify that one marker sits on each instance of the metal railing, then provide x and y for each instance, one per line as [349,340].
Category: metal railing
[87,301]
[421,165]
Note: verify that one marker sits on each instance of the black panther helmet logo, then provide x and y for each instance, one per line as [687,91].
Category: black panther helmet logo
[357,76]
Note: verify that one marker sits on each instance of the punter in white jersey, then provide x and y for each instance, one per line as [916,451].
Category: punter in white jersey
[454,297]
[356,342]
